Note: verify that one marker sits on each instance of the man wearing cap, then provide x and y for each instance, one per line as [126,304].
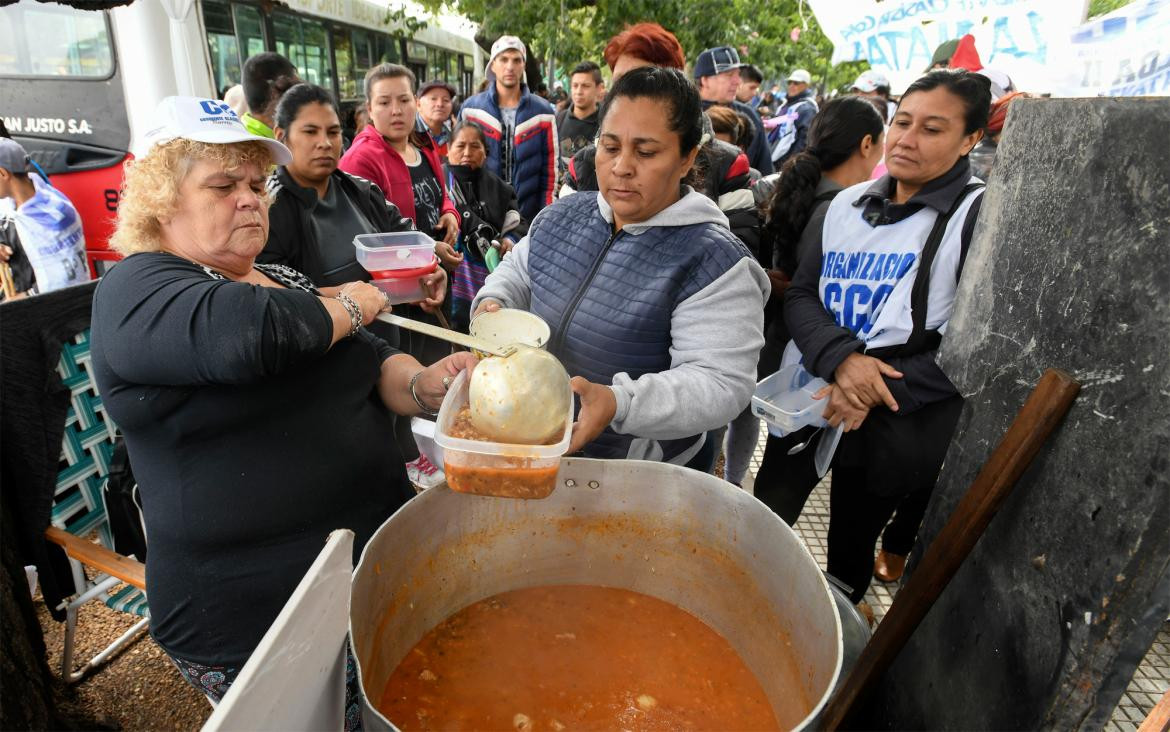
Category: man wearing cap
[434,112]
[796,117]
[41,240]
[874,85]
[520,127]
[717,75]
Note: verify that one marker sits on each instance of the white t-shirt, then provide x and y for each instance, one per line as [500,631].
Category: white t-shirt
[51,237]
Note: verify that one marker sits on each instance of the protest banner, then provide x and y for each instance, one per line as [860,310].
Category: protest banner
[1018,37]
[1123,54]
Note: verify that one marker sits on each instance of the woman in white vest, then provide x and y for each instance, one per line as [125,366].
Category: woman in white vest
[869,314]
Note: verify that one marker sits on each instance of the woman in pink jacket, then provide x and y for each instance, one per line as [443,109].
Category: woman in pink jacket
[402,161]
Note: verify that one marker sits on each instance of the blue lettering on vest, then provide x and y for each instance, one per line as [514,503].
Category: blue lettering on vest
[833,300]
[905,265]
[855,316]
[854,265]
[891,266]
[869,257]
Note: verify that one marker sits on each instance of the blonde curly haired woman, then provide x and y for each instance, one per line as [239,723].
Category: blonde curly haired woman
[258,413]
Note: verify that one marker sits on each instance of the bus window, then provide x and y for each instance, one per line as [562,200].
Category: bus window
[416,59]
[363,54]
[47,40]
[249,30]
[436,67]
[221,42]
[388,50]
[302,41]
[468,77]
[316,53]
[347,82]
[452,69]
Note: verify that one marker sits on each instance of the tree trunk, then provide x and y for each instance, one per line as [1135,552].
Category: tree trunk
[31,697]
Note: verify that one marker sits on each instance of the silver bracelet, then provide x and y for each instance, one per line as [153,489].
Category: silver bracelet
[414,395]
[354,310]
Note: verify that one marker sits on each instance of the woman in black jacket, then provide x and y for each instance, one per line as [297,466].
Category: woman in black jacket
[317,210]
[490,216]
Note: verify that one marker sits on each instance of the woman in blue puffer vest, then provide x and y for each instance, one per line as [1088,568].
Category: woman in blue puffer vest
[656,308]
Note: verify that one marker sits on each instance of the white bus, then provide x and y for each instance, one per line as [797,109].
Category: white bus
[77,87]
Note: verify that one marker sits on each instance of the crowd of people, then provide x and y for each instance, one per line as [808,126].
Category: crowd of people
[682,233]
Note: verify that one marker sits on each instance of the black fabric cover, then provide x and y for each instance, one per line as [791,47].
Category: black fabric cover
[33,405]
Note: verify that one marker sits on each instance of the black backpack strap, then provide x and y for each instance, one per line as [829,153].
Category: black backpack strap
[965,240]
[826,196]
[920,340]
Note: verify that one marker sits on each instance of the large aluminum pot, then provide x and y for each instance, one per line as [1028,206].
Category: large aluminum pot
[679,535]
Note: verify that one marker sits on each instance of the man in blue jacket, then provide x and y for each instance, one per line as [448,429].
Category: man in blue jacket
[520,127]
[790,136]
[717,75]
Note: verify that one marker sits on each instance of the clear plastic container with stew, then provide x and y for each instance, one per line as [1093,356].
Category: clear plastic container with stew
[494,468]
[397,260]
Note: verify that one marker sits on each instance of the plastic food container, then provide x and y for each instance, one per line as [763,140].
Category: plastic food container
[396,260]
[785,400]
[493,468]
[424,438]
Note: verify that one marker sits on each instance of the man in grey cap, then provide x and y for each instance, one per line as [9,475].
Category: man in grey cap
[434,112]
[40,232]
[791,134]
[716,72]
[529,161]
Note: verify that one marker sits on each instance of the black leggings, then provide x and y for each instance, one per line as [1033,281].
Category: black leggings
[856,519]
[784,482]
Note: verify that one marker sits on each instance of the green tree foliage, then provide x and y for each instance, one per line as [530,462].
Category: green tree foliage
[575,30]
[1101,7]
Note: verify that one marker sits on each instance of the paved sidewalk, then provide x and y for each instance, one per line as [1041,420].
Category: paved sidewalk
[1150,681]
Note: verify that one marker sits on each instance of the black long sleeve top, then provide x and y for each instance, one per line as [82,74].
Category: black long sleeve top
[251,439]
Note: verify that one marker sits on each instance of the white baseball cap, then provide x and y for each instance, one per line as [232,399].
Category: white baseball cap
[801,76]
[871,80]
[507,43]
[205,120]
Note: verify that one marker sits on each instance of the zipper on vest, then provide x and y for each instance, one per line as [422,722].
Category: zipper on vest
[578,296]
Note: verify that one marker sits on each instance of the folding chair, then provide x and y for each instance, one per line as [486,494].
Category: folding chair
[79,510]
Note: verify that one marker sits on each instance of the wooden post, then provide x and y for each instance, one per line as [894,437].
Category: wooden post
[1040,415]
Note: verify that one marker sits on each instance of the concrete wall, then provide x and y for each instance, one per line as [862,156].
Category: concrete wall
[1070,268]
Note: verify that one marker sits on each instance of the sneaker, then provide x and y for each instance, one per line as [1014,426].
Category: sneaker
[423,473]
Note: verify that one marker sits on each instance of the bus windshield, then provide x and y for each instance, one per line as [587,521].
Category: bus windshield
[54,41]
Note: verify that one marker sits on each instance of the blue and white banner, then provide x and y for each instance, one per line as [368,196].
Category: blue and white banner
[1022,38]
[1123,54]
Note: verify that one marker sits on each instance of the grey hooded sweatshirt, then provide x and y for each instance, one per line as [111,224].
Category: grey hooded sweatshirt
[683,261]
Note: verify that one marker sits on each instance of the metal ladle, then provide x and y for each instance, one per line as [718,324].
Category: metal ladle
[451,336]
[520,398]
